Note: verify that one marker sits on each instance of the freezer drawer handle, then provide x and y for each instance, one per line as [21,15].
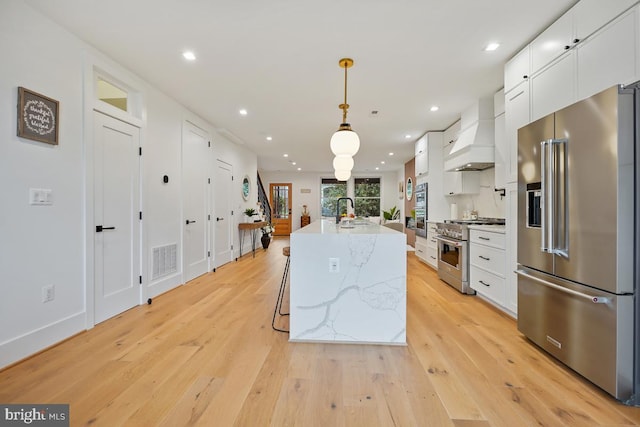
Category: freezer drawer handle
[593,299]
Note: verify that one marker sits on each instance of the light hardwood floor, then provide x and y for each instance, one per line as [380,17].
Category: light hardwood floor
[205,354]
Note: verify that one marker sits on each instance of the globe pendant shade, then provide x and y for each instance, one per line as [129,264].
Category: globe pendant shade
[344,163]
[345,142]
[342,175]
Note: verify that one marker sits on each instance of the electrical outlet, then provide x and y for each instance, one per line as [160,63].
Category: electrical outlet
[48,293]
[334,265]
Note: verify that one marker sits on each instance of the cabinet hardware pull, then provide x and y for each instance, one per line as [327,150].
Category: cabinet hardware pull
[483,238]
[524,77]
[576,40]
[486,284]
[190,222]
[99,228]
[432,257]
[567,47]
[484,258]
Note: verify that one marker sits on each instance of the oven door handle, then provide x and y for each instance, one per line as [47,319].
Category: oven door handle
[449,241]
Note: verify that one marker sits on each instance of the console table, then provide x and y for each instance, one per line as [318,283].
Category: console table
[253,228]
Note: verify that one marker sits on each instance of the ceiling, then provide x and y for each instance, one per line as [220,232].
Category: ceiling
[278,59]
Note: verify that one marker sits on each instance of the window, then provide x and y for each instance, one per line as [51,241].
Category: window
[367,192]
[112,94]
[331,189]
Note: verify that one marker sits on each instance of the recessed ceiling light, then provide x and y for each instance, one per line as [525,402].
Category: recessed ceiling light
[189,55]
[435,108]
[293,163]
[269,138]
[391,154]
[285,155]
[243,112]
[491,47]
[407,136]
[382,162]
[299,169]
[377,168]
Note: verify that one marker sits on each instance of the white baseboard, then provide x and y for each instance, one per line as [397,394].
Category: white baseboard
[32,342]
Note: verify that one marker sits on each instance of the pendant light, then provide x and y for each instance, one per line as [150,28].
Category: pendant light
[344,141]
[343,162]
[342,175]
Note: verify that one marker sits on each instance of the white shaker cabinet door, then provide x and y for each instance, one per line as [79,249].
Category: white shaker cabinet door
[516,115]
[554,87]
[609,57]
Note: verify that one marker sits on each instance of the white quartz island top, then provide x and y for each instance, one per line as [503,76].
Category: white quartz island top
[348,284]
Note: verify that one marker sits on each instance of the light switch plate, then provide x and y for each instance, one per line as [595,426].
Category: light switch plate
[40,196]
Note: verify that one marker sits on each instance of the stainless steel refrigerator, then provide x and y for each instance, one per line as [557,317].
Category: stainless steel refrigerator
[577,218]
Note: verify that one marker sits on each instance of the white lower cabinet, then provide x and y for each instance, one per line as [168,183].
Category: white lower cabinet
[488,264]
[432,244]
[421,248]
[427,249]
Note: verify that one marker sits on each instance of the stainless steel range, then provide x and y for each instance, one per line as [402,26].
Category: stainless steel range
[453,251]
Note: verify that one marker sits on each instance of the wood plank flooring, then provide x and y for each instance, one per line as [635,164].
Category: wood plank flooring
[205,354]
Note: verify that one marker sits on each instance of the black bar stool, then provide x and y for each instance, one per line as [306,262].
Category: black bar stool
[286,251]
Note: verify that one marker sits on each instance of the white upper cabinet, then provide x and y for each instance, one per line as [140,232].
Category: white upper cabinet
[590,15]
[573,28]
[422,157]
[517,69]
[516,115]
[499,130]
[609,56]
[553,42]
[449,137]
[554,87]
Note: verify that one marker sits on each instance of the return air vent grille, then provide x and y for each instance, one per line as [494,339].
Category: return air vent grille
[165,260]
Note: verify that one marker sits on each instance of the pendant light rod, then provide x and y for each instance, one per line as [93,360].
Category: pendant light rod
[345,63]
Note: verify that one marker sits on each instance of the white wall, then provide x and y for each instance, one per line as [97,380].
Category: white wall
[311,181]
[40,245]
[50,245]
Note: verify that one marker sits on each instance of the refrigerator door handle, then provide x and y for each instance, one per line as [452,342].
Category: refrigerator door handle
[559,214]
[594,299]
[546,223]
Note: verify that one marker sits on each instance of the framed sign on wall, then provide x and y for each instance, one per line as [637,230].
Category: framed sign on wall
[37,117]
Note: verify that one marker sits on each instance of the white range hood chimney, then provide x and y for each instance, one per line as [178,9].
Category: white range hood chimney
[474,149]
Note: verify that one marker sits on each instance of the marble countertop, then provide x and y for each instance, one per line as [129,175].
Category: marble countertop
[492,228]
[325,226]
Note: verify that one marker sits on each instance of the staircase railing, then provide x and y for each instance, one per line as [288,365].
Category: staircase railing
[263,199]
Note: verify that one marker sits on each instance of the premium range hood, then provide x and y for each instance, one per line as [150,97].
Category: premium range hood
[474,148]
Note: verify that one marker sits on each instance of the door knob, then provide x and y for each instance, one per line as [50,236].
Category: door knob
[219,219]
[190,222]
[99,228]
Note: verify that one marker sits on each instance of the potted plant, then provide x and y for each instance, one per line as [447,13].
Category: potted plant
[266,235]
[391,215]
[249,213]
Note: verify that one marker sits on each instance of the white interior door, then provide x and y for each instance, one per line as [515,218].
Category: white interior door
[195,204]
[223,218]
[116,164]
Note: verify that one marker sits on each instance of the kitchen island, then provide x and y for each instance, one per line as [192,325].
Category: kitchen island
[348,285]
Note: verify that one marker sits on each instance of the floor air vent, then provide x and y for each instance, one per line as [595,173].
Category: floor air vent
[164,260]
